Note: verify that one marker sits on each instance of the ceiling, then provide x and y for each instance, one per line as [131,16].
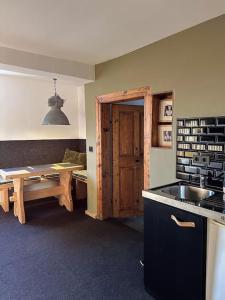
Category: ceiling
[93,31]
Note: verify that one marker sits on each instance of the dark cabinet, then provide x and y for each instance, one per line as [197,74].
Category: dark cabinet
[174,254]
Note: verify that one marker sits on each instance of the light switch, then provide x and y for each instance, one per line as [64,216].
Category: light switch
[90,149]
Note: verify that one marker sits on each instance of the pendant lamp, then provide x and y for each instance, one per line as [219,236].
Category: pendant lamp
[55,116]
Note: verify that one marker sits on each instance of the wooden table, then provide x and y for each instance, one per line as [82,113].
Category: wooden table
[62,190]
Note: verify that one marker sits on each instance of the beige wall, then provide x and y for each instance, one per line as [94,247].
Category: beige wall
[192,63]
[24,102]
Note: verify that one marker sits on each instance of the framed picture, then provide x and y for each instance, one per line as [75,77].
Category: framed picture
[165,110]
[165,135]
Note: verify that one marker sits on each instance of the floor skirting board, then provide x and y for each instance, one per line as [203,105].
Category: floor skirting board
[90,214]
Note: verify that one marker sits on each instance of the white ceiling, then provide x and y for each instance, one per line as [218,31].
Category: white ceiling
[93,31]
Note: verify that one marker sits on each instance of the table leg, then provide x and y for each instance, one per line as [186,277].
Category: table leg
[66,198]
[19,201]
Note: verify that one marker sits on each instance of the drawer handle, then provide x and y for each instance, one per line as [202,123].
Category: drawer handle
[182,224]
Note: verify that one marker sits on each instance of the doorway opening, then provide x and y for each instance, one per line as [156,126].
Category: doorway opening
[123,152]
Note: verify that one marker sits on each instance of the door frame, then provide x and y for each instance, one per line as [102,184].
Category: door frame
[103,143]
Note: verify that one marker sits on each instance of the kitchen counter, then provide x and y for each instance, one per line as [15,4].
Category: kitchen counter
[212,207]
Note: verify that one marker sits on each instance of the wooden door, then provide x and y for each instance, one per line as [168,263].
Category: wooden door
[128,171]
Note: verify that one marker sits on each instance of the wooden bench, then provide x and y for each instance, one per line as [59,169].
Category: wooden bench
[80,181]
[80,178]
[35,189]
[7,185]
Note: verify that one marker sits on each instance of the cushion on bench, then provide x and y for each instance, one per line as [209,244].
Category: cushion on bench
[75,157]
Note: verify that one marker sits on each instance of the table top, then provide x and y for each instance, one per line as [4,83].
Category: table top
[29,171]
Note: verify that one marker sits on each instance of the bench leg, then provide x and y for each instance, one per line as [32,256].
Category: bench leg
[4,194]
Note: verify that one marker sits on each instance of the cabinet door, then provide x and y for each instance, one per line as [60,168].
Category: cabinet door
[215,278]
[174,256]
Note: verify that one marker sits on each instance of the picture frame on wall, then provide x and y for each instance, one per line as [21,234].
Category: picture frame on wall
[165,110]
[165,136]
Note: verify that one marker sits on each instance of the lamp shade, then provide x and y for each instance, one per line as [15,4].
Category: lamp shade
[55,116]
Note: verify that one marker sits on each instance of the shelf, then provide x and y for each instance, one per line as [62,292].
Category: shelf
[161,137]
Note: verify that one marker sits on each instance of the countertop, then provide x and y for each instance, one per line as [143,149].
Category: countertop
[213,207]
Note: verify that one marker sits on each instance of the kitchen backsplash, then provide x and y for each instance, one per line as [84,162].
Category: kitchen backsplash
[201,150]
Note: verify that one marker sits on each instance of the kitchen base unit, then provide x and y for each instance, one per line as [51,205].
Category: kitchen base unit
[174,252]
[215,275]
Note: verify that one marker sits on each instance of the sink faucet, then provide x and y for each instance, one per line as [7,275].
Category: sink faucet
[202,181]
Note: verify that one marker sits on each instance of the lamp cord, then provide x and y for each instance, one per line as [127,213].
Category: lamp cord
[55,85]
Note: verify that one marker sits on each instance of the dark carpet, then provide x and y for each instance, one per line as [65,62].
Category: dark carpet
[62,255]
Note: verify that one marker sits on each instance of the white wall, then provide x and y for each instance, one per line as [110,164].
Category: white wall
[24,102]
[81,112]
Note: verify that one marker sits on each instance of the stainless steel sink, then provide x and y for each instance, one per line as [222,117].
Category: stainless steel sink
[187,192]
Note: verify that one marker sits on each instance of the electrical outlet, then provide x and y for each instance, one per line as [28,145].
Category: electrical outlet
[203,159]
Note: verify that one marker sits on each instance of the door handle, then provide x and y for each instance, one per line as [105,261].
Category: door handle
[137,160]
[183,224]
